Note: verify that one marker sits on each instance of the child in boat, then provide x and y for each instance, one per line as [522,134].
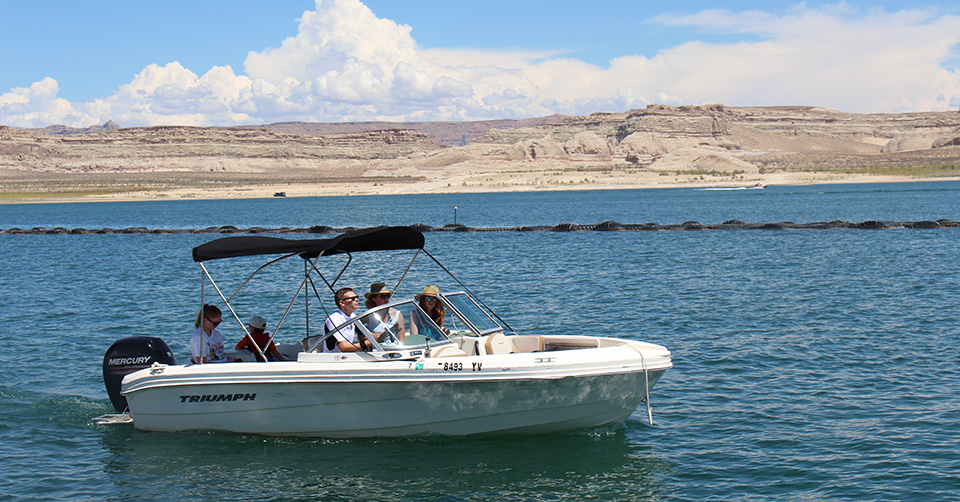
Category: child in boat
[257,326]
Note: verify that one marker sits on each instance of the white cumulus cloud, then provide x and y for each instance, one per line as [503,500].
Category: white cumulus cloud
[37,104]
[346,64]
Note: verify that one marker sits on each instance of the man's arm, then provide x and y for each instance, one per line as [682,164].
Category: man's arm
[353,347]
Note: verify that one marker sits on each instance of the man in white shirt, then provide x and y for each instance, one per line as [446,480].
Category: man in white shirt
[344,339]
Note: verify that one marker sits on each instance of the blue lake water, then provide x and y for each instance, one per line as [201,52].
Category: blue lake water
[800,204]
[808,364]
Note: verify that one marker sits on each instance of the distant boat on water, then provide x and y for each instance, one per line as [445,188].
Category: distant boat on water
[758,186]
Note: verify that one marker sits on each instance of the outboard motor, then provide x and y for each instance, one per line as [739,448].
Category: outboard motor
[130,354]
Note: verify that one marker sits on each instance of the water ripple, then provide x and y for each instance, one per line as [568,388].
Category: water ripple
[808,365]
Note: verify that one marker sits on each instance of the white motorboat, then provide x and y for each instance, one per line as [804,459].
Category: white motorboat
[473,375]
[758,186]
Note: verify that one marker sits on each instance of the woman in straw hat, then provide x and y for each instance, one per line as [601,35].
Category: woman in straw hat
[385,320]
[430,303]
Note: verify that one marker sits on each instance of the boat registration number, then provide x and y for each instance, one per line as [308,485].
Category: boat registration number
[459,366]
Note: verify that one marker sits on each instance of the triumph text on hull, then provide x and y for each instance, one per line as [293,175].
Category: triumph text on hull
[472,375]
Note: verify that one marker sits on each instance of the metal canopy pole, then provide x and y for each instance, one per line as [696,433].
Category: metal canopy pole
[306,296]
[202,282]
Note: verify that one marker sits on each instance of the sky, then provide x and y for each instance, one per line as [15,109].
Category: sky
[239,62]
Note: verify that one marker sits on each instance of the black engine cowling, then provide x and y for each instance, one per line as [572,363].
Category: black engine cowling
[130,354]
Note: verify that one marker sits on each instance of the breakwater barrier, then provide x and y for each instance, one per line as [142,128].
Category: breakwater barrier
[562,227]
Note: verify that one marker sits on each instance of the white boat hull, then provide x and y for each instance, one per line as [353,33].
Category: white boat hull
[339,395]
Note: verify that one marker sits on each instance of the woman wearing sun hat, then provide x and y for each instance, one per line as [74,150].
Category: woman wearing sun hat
[429,302]
[389,319]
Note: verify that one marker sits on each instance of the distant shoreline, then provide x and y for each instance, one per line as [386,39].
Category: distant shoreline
[656,147]
[261,190]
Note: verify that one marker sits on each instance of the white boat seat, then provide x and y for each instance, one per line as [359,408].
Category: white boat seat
[448,351]
[498,343]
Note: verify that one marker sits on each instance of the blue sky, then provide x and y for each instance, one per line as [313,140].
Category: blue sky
[248,62]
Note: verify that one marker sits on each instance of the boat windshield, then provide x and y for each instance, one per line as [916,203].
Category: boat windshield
[400,325]
[464,307]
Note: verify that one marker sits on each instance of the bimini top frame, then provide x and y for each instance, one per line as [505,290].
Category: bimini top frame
[369,239]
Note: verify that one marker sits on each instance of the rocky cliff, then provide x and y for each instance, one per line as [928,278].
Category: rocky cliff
[726,143]
[785,137]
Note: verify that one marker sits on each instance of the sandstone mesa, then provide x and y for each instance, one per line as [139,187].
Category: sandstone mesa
[655,146]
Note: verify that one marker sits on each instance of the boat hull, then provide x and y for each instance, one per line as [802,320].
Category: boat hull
[517,393]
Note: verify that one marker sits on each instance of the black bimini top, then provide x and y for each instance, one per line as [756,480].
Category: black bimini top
[366,239]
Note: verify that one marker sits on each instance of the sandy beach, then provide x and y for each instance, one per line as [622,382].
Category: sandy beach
[463,183]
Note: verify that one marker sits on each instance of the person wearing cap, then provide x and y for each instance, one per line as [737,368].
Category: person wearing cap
[385,320]
[429,302]
[344,339]
[257,326]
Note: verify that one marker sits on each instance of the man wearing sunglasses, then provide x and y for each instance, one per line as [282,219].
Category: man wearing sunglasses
[345,338]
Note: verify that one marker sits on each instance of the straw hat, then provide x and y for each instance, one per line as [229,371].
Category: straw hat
[428,290]
[377,288]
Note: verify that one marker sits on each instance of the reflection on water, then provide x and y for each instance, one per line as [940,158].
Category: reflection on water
[121,463]
[602,463]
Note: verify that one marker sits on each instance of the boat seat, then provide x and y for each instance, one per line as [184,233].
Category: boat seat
[448,351]
[240,355]
[290,350]
[498,343]
[527,343]
[308,341]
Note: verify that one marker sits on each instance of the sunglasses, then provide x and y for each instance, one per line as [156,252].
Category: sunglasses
[429,298]
[350,299]
[382,296]
[215,323]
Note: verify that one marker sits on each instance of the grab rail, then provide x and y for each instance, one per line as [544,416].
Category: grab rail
[646,384]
